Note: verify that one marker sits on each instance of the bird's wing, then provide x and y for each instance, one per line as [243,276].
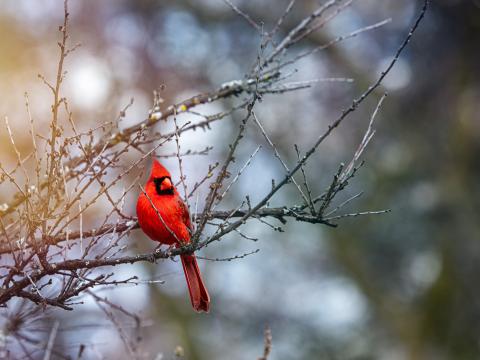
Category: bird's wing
[185,214]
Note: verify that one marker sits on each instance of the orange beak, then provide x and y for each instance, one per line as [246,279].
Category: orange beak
[166,185]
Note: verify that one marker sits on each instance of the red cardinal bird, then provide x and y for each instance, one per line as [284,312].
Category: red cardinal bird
[171,225]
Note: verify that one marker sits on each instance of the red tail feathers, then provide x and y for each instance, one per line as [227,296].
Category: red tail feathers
[198,292]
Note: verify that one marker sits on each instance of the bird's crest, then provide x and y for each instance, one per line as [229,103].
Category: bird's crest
[158,170]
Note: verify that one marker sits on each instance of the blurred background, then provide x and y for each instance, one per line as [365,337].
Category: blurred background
[402,285]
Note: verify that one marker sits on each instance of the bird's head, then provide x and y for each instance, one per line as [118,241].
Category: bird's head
[160,179]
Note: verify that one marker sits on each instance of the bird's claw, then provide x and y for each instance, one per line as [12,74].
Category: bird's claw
[152,258]
[170,250]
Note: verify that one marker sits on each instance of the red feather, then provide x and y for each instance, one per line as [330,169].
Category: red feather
[168,222]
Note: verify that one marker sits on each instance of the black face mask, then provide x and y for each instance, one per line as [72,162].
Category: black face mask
[158,186]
